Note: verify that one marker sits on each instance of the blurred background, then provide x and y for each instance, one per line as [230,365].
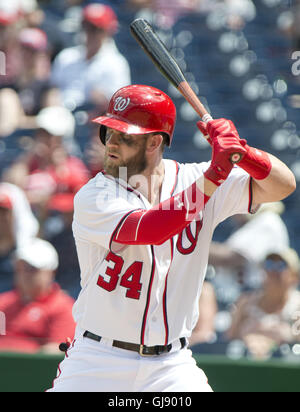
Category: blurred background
[60,62]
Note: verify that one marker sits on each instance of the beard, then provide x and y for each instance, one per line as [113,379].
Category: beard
[134,165]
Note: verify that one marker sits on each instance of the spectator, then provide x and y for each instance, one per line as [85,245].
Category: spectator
[10,65]
[266,227]
[25,225]
[14,16]
[54,143]
[165,13]
[20,103]
[28,11]
[68,271]
[94,153]
[237,260]
[295,27]
[264,319]
[90,73]
[288,23]
[204,330]
[50,167]
[38,313]
[7,242]
[33,80]
[9,28]
[237,12]
[18,225]
[31,12]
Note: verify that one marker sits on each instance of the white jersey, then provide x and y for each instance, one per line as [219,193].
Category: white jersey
[146,294]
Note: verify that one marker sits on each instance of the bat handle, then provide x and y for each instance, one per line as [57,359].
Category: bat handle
[207,118]
[235,157]
[186,90]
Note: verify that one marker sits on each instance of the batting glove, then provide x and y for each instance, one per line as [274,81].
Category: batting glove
[255,162]
[225,142]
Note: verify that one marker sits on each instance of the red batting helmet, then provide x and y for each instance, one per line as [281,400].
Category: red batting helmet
[139,109]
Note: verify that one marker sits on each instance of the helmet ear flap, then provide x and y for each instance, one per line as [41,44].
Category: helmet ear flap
[102,134]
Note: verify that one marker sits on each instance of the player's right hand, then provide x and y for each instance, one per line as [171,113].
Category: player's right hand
[216,127]
[225,142]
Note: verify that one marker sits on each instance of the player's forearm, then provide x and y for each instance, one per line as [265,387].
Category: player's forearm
[279,184]
[272,179]
[160,223]
[209,187]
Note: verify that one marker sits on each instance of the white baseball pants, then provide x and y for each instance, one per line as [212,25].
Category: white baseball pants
[91,366]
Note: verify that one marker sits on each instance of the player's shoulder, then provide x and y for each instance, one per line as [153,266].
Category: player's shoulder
[98,190]
[92,186]
[193,169]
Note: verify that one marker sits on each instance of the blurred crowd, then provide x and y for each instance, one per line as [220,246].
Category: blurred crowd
[48,76]
[62,65]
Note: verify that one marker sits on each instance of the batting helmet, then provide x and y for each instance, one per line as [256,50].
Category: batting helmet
[139,109]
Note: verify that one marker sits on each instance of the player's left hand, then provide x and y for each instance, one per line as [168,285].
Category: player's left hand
[255,162]
[225,143]
[224,131]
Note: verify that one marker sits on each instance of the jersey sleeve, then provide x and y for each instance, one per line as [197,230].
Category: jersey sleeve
[107,218]
[233,197]
[98,210]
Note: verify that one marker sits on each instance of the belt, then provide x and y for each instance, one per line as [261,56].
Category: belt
[143,350]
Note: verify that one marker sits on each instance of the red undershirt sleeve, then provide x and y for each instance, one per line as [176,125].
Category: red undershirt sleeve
[160,223]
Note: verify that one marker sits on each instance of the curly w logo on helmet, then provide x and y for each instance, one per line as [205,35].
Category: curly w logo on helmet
[121,104]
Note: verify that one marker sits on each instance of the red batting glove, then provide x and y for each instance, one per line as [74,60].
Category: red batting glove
[225,142]
[255,162]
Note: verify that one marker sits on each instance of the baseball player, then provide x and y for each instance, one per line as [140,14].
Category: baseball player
[143,228]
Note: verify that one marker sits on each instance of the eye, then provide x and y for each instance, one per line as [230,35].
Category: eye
[126,140]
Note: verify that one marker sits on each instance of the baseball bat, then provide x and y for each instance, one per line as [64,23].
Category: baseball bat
[167,65]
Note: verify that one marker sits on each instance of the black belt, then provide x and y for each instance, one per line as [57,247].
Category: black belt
[143,350]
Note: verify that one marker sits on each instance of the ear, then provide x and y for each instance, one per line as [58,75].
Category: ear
[154,142]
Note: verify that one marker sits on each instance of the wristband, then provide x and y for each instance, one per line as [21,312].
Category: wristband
[256,162]
[215,176]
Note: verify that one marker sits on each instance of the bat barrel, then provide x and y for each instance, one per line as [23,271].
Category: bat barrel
[163,60]
[157,51]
